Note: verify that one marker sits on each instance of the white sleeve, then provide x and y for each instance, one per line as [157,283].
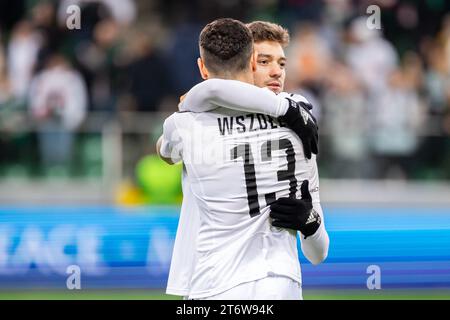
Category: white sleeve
[315,247]
[171,145]
[314,180]
[233,94]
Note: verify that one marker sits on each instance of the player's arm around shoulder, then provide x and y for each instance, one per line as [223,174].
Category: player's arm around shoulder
[169,145]
[201,97]
[233,94]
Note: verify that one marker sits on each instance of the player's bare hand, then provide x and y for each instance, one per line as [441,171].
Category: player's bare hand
[181,100]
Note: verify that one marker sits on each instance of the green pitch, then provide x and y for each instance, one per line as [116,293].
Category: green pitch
[435,294]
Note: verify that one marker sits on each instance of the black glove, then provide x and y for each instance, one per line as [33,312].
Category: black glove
[297,214]
[300,120]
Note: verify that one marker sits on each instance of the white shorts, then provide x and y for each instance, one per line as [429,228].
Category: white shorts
[269,288]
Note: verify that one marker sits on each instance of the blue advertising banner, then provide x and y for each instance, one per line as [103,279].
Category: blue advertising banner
[132,247]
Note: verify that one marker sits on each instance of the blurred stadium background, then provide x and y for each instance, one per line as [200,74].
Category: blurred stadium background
[81,109]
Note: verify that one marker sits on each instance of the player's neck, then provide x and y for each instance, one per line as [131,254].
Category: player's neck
[242,76]
[245,77]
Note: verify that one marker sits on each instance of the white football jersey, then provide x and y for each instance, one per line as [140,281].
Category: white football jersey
[238,163]
[185,246]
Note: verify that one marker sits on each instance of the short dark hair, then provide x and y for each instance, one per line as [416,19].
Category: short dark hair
[226,45]
[267,31]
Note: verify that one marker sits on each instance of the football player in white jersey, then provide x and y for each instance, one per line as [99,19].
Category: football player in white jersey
[269,41]
[284,210]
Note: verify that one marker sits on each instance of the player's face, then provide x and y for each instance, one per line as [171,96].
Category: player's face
[270,66]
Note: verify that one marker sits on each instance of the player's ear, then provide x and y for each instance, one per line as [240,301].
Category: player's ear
[253,60]
[202,69]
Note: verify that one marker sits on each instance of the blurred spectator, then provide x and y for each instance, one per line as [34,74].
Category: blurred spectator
[437,93]
[308,61]
[183,53]
[397,116]
[43,19]
[347,126]
[5,88]
[444,38]
[147,77]
[15,142]
[97,60]
[371,57]
[95,46]
[5,96]
[309,58]
[58,101]
[437,79]
[23,50]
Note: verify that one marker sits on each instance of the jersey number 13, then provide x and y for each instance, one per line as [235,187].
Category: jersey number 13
[244,151]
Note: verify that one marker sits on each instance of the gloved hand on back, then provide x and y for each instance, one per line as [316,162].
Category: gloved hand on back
[297,214]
